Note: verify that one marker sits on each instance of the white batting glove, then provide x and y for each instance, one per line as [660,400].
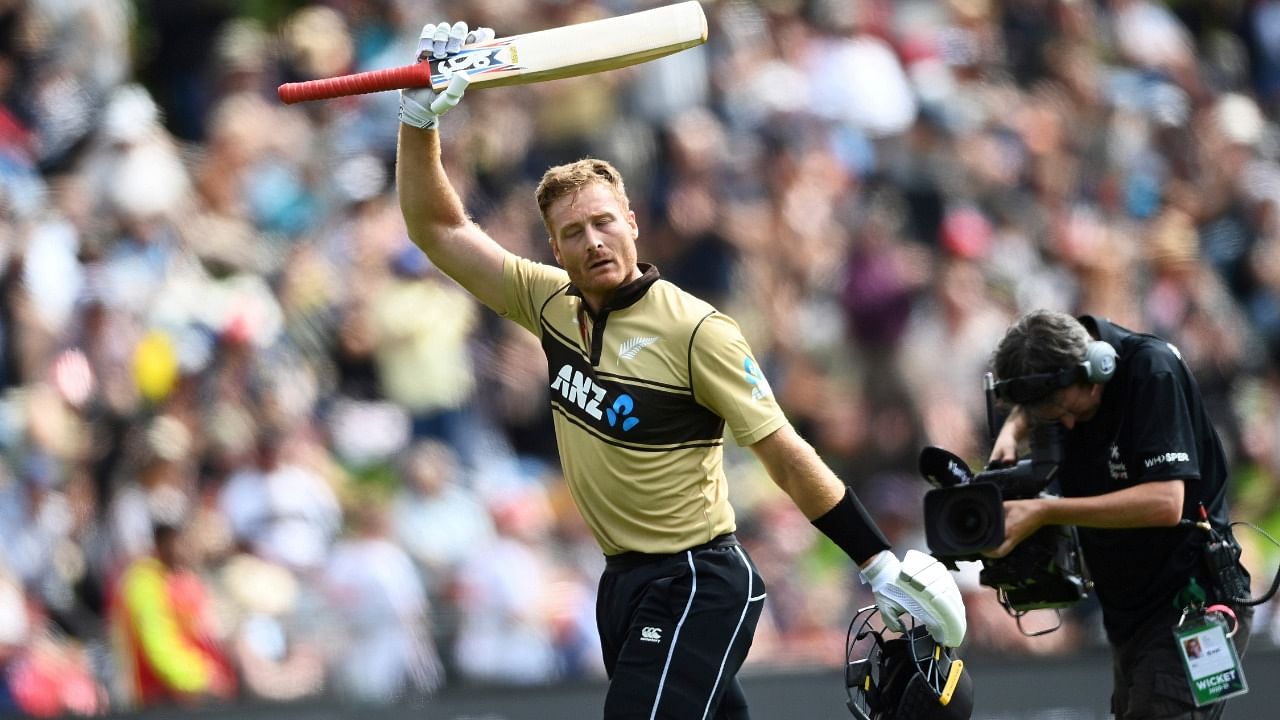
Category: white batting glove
[921,586]
[422,107]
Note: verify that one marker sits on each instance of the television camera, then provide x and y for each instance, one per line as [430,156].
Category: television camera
[964,515]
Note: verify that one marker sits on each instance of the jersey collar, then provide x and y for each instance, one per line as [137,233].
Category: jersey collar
[627,294]
[1105,330]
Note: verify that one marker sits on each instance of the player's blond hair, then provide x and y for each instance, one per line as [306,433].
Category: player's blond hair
[564,180]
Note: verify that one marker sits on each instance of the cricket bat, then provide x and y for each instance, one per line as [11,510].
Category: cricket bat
[562,52]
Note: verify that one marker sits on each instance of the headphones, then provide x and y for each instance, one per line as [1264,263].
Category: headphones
[1098,366]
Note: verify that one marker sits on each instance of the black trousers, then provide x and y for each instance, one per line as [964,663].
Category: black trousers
[1150,681]
[675,629]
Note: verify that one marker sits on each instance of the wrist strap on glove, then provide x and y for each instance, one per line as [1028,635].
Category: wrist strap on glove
[413,112]
[882,569]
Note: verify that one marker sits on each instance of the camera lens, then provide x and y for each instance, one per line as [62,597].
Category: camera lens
[964,520]
[967,522]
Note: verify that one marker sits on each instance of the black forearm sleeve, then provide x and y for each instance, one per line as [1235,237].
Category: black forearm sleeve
[849,526]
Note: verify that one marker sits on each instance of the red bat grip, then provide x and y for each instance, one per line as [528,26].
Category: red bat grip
[407,76]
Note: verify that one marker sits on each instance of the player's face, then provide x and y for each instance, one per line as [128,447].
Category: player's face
[594,240]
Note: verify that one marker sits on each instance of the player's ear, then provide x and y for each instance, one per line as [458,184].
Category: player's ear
[555,249]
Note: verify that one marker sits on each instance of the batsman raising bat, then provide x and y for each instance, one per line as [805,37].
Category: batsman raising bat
[644,379]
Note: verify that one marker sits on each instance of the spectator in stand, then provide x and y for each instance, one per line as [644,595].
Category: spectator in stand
[436,516]
[371,581]
[504,594]
[422,326]
[275,657]
[168,645]
[286,512]
[163,465]
[42,673]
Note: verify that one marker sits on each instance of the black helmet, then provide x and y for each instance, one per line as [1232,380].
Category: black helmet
[907,677]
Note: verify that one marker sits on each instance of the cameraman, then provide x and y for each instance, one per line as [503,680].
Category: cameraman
[1140,459]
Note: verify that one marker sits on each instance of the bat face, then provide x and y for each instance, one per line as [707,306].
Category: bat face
[493,58]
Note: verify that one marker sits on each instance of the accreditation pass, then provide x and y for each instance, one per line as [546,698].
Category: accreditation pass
[1213,667]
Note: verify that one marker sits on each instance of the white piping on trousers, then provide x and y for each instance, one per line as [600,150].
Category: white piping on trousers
[725,658]
[675,637]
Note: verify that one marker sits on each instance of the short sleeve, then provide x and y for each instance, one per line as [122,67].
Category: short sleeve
[728,381]
[1164,442]
[526,287]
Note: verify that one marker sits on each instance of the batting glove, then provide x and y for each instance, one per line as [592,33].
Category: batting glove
[422,107]
[920,586]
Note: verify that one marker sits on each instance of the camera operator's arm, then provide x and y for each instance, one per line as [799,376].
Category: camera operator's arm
[1005,451]
[1152,504]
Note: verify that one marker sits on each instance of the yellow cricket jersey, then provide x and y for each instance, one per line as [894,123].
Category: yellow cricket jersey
[640,395]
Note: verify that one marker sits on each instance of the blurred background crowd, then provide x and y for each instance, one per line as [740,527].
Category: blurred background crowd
[254,447]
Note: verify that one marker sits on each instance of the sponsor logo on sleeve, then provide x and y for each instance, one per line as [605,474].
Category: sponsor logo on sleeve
[1166,459]
[755,378]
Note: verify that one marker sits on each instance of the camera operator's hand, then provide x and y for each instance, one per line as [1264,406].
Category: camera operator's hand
[1005,450]
[921,586]
[1021,518]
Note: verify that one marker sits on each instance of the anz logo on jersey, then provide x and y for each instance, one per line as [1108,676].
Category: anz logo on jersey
[593,399]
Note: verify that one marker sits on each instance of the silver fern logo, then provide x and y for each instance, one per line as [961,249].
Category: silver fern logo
[630,348]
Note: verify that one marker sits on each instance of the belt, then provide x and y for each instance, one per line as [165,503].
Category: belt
[627,560]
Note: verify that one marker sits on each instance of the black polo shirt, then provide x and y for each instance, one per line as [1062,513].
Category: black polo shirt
[1151,426]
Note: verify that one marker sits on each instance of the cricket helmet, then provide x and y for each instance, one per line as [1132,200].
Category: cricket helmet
[903,676]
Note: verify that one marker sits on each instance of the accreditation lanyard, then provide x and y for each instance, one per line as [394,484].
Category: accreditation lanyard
[1208,655]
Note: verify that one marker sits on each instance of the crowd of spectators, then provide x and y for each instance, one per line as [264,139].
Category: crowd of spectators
[254,447]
